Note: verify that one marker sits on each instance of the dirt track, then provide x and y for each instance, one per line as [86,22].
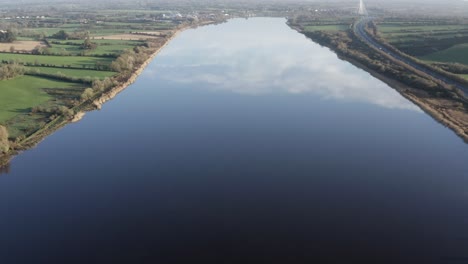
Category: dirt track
[21,45]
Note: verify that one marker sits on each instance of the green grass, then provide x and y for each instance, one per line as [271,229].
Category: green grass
[59,49]
[103,41]
[339,27]
[47,31]
[393,27]
[73,61]
[75,72]
[395,32]
[19,95]
[427,40]
[106,49]
[103,47]
[71,26]
[108,31]
[457,53]
[25,38]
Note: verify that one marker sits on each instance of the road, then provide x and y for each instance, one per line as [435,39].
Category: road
[359,30]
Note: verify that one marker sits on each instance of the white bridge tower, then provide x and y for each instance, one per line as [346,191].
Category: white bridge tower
[362,9]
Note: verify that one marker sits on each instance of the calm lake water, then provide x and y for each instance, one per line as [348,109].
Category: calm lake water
[243,142]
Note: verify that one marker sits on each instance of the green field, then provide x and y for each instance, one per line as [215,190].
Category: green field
[18,95]
[103,42]
[429,40]
[71,47]
[73,61]
[24,38]
[339,27]
[109,49]
[100,50]
[457,53]
[70,67]
[71,26]
[408,28]
[46,31]
[75,72]
[65,49]
[108,31]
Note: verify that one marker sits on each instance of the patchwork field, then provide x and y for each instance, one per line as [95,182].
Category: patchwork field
[60,61]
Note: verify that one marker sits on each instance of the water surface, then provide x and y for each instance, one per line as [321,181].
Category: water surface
[243,142]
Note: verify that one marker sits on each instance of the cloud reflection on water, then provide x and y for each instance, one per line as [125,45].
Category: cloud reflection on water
[268,57]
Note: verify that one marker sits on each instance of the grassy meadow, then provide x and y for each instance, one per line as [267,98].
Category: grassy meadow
[457,53]
[331,27]
[75,72]
[433,40]
[59,61]
[19,95]
[114,47]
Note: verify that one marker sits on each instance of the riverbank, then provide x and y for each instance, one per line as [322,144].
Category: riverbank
[88,105]
[443,104]
[457,121]
[119,88]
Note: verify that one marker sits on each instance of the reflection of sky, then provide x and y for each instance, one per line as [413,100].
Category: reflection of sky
[262,55]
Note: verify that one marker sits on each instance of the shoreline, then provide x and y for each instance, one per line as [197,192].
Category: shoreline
[53,126]
[430,109]
[426,107]
[109,95]
[441,110]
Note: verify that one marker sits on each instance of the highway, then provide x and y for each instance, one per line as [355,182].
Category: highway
[359,30]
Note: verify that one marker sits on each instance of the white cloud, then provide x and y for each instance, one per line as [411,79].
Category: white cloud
[268,58]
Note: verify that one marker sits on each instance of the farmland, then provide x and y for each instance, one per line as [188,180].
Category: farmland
[54,66]
[24,45]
